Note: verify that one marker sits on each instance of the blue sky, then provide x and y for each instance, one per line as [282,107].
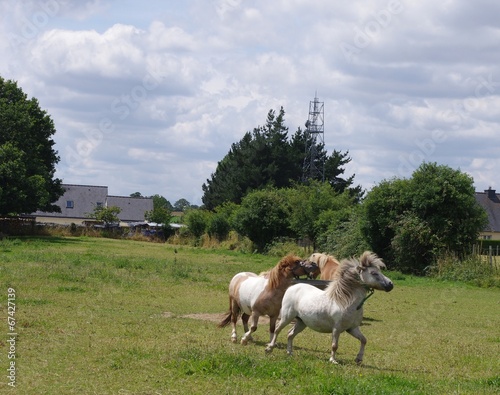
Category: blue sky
[149,96]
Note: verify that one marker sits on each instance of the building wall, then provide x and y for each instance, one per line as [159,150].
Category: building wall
[489,235]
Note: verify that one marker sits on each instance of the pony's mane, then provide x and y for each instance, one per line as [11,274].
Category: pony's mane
[346,279]
[323,259]
[275,275]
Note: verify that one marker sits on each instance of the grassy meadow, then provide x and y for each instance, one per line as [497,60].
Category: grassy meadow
[103,316]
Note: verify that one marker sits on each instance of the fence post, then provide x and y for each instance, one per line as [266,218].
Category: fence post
[490,256]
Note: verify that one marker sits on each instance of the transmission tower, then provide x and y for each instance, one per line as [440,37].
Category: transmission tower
[314,167]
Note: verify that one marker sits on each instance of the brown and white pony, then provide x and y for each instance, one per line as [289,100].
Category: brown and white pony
[254,295]
[338,308]
[327,265]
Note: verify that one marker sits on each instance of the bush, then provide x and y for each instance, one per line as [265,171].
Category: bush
[218,226]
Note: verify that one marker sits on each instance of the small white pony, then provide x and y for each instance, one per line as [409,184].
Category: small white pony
[338,308]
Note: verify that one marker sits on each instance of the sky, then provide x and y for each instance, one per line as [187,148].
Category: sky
[148,96]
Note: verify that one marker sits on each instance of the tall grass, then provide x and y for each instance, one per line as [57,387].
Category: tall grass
[475,269]
[103,316]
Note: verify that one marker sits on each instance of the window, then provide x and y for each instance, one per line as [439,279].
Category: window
[99,204]
[70,204]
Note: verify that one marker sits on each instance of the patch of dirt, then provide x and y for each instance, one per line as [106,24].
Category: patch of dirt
[206,317]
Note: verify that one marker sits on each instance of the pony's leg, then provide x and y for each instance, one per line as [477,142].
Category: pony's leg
[296,329]
[235,310]
[283,322]
[248,335]
[356,332]
[244,320]
[335,344]
[272,327]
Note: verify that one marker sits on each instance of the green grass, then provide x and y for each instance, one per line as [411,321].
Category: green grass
[101,316]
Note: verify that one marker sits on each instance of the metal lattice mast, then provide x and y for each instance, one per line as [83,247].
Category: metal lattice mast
[313,168]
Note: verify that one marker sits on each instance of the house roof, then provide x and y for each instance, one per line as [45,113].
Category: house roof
[490,201]
[78,201]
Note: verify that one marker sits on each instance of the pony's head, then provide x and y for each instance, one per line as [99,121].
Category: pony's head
[309,269]
[289,266]
[370,271]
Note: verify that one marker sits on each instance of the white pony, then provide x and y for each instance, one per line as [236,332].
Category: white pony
[338,308]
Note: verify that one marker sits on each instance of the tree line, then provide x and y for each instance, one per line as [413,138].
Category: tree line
[258,190]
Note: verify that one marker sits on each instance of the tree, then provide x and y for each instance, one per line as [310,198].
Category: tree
[108,215]
[309,204]
[265,158]
[196,221]
[218,226]
[136,195]
[262,217]
[27,156]
[181,205]
[261,158]
[162,211]
[334,168]
[412,222]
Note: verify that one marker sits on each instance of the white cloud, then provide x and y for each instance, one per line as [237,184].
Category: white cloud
[149,96]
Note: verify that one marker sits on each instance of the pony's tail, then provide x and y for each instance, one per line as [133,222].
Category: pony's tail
[229,314]
[227,319]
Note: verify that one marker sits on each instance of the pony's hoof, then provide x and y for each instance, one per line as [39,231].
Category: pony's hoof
[244,342]
[358,361]
[334,361]
[234,340]
[269,350]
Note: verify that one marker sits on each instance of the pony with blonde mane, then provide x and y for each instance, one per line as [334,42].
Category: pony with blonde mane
[253,295]
[327,265]
[338,308]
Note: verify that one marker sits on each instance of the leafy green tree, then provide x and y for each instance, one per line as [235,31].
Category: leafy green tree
[27,156]
[382,207]
[181,205]
[162,211]
[345,238]
[218,226]
[263,217]
[196,221]
[108,215]
[259,159]
[412,222]
[308,205]
[334,169]
[265,157]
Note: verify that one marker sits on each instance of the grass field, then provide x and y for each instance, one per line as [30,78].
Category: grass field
[101,316]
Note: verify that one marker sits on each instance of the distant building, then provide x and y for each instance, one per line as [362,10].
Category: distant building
[490,201]
[78,201]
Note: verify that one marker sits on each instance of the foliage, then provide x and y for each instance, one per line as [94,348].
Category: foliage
[265,157]
[344,238]
[108,215]
[181,205]
[412,221]
[218,226]
[27,156]
[162,211]
[310,204]
[263,217]
[196,221]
